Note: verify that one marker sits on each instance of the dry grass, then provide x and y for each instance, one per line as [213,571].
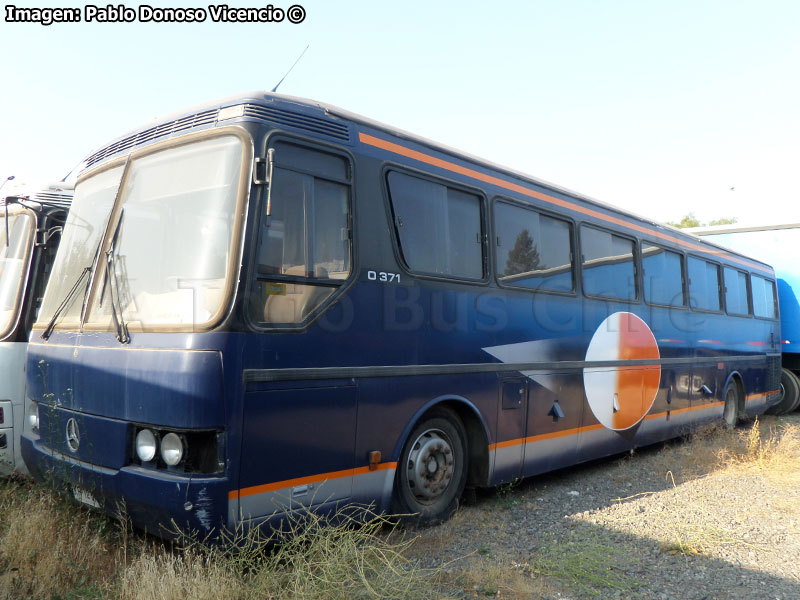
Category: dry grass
[48,545]
[492,577]
[771,449]
[706,495]
[158,574]
[52,548]
[770,446]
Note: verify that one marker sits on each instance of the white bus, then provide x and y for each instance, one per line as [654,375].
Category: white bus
[30,228]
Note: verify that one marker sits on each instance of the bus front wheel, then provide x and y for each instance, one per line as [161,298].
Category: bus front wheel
[730,412]
[432,470]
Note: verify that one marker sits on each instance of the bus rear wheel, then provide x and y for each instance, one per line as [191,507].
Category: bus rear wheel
[432,470]
[796,403]
[730,413]
[790,386]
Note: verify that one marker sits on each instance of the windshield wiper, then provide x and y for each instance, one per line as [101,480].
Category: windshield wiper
[105,273]
[113,285]
[99,248]
[92,269]
[64,304]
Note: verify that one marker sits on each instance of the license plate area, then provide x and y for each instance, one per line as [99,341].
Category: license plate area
[84,497]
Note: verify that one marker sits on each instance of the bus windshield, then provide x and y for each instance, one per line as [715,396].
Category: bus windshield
[158,232]
[13,262]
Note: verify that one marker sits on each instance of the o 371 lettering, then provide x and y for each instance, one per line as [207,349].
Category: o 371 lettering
[383,277]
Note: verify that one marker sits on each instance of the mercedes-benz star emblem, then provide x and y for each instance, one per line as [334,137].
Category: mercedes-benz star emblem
[73,435]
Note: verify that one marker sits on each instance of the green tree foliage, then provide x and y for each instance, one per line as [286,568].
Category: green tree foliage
[691,220]
[524,256]
[723,221]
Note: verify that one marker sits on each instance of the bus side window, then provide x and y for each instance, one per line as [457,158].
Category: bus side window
[736,296]
[304,251]
[533,250]
[439,229]
[704,285]
[608,269]
[663,276]
[763,297]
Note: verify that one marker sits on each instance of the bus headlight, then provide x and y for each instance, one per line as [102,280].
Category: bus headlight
[32,416]
[145,445]
[171,449]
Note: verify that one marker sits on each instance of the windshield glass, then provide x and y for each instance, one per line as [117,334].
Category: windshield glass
[83,232]
[14,257]
[172,242]
[170,238]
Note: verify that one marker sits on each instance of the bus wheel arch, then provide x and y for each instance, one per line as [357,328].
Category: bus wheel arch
[447,438]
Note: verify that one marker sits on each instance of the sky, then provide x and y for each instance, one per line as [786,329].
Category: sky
[659,107]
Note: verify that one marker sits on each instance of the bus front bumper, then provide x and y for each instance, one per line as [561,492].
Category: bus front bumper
[161,503]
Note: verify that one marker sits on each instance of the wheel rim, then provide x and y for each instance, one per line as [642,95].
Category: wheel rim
[430,466]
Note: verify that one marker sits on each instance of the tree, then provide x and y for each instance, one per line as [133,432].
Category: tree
[723,221]
[692,221]
[524,256]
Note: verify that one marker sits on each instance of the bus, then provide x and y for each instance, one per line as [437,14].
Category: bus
[267,305]
[771,243]
[30,228]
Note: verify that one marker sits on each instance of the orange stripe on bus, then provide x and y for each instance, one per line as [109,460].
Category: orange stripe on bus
[761,395]
[577,430]
[288,483]
[453,167]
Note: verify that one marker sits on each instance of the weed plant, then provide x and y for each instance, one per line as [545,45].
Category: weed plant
[53,548]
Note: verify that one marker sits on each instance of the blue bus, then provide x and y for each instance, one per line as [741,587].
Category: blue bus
[771,243]
[30,228]
[266,305]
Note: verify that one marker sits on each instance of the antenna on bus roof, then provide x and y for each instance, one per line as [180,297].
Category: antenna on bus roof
[72,170]
[275,89]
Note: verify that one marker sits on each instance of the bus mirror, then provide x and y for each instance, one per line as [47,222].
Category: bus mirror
[6,202]
[270,164]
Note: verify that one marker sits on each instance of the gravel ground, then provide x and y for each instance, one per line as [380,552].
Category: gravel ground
[671,521]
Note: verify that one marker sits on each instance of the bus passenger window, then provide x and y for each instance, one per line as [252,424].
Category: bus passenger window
[438,227]
[703,285]
[608,270]
[663,276]
[304,248]
[763,297]
[533,250]
[736,297]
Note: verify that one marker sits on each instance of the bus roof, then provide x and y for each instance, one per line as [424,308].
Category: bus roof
[206,114]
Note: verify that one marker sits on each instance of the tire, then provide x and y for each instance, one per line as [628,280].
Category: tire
[796,404]
[730,412]
[790,386]
[432,470]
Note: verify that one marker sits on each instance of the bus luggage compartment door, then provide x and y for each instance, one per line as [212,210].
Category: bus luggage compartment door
[511,417]
[298,447]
